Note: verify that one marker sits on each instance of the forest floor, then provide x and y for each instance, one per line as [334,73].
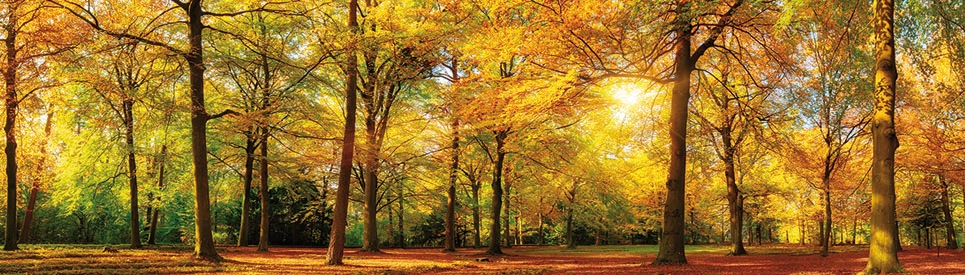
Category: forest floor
[622,259]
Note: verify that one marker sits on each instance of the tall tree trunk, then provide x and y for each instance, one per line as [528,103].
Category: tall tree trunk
[160,185]
[539,217]
[519,228]
[569,228]
[949,223]
[10,125]
[507,236]
[497,201]
[127,106]
[826,230]
[883,254]
[401,240]
[245,227]
[477,238]
[391,222]
[854,230]
[203,241]
[35,187]
[336,245]
[263,187]
[733,197]
[370,225]
[451,192]
[671,249]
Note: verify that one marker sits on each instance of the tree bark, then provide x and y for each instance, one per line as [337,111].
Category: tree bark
[826,230]
[946,209]
[35,188]
[539,217]
[336,243]
[203,241]
[401,240]
[451,192]
[671,248]
[734,203]
[507,236]
[370,230]
[518,239]
[245,227]
[263,187]
[883,254]
[477,238]
[10,125]
[127,107]
[569,228]
[160,184]
[497,201]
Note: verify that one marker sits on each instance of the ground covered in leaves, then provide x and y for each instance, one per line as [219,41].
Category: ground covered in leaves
[768,259]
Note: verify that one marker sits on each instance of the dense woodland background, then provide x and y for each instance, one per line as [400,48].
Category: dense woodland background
[570,98]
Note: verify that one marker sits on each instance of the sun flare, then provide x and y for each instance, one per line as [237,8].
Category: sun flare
[627,94]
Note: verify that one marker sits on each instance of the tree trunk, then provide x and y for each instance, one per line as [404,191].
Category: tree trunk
[477,238]
[897,237]
[451,192]
[671,249]
[569,228]
[160,184]
[497,201]
[391,222]
[826,231]
[401,240]
[127,107]
[733,199]
[883,254]
[245,227]
[949,223]
[203,241]
[519,228]
[10,125]
[370,229]
[336,244]
[507,236]
[854,230]
[928,238]
[539,217]
[263,187]
[35,188]
[598,241]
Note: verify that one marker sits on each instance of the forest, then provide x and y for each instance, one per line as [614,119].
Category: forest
[481,136]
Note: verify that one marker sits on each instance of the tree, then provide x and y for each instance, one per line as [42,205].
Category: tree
[194,56]
[733,108]
[266,68]
[672,244]
[450,246]
[337,243]
[37,181]
[30,38]
[832,98]
[883,254]
[133,72]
